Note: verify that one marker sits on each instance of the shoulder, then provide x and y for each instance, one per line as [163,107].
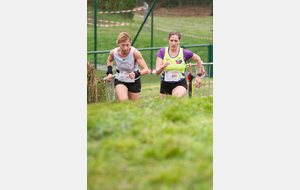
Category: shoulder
[136,52]
[161,52]
[163,49]
[112,52]
[187,53]
[111,55]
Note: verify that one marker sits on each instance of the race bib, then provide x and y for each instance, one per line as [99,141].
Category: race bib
[172,76]
[124,76]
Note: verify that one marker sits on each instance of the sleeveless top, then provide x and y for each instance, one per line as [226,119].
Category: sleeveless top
[175,71]
[125,65]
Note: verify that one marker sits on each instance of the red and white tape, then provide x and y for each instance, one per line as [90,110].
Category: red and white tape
[124,24]
[125,11]
[109,25]
[139,15]
[104,21]
[184,34]
[170,30]
[152,71]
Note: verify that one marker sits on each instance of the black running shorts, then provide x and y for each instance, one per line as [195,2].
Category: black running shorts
[134,87]
[166,87]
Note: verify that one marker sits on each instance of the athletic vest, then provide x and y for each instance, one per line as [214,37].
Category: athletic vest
[177,64]
[126,64]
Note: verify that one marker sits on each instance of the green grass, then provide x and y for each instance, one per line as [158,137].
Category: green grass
[106,37]
[159,144]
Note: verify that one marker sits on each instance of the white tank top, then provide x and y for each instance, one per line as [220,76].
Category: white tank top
[125,65]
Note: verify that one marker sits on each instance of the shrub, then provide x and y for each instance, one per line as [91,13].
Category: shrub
[96,89]
[115,5]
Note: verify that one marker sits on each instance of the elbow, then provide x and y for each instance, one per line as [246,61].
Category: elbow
[199,59]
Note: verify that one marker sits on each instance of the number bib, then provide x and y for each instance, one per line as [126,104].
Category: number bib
[172,76]
[124,76]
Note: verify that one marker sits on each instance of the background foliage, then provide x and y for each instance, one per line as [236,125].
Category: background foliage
[96,91]
[115,5]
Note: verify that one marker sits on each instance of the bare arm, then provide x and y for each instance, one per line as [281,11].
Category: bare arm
[110,60]
[159,66]
[140,60]
[199,69]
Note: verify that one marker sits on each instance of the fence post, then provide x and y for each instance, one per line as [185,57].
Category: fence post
[210,58]
[95,33]
[143,22]
[151,39]
[145,15]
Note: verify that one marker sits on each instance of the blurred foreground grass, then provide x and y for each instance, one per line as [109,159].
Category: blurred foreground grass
[158,144]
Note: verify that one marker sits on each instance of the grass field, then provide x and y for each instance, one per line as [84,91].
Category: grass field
[107,36]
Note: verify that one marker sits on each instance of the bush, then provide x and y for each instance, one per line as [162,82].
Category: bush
[96,89]
[115,5]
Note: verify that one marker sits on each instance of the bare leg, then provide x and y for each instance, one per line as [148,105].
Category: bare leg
[163,95]
[121,91]
[133,96]
[179,91]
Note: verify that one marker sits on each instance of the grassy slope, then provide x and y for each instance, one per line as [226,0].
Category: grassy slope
[158,144]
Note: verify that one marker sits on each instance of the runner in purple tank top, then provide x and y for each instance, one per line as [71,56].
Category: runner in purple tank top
[171,63]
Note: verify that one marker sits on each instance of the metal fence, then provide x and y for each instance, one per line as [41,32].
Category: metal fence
[205,51]
[205,91]
[110,89]
[207,81]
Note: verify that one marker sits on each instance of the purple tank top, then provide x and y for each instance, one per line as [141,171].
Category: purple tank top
[187,54]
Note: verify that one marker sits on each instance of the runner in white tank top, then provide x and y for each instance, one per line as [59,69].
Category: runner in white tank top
[125,65]
[127,82]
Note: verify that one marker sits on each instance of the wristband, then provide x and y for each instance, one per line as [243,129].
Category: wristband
[199,74]
[137,73]
[109,70]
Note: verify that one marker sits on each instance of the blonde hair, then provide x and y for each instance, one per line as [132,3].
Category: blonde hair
[123,37]
[174,32]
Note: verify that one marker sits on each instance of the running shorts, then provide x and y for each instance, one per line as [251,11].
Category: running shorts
[166,87]
[134,87]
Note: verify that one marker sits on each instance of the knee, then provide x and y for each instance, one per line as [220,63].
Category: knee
[179,93]
[122,98]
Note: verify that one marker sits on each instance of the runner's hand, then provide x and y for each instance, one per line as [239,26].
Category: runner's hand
[166,64]
[132,75]
[198,82]
[108,78]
